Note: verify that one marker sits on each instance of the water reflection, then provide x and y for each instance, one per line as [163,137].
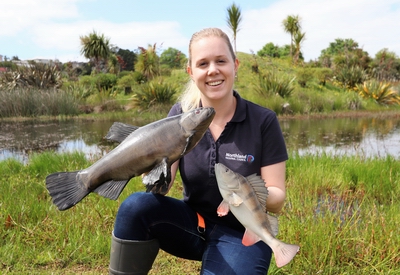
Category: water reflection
[367,137]
[20,139]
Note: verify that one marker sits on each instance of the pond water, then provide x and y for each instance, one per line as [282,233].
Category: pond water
[369,137]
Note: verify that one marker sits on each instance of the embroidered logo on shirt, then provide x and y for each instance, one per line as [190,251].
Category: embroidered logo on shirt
[238,157]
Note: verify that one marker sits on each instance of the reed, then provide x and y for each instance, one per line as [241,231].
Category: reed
[343,211]
[29,102]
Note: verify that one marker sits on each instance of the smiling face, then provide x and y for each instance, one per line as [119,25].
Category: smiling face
[212,67]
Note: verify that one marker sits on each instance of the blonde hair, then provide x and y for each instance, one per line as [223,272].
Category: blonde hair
[190,98]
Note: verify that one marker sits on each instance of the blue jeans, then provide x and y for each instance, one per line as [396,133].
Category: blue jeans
[146,216]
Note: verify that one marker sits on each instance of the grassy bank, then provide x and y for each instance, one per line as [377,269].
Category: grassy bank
[343,211]
[276,84]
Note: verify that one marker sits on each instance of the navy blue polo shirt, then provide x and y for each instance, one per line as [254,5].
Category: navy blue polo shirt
[251,140]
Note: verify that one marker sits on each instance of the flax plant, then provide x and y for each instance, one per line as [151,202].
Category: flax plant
[381,92]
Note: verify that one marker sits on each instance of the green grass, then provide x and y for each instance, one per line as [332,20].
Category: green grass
[343,211]
[75,99]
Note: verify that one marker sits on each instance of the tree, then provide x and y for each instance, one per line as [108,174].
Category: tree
[299,37]
[292,26]
[284,51]
[234,19]
[95,47]
[386,66]
[276,51]
[148,62]
[129,58]
[344,53]
[114,66]
[340,46]
[269,49]
[172,58]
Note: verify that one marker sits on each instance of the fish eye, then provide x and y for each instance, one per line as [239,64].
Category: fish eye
[197,111]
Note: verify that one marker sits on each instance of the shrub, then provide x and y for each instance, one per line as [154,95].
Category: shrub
[271,84]
[87,81]
[304,75]
[323,74]
[381,92]
[349,77]
[35,75]
[139,77]
[153,93]
[126,81]
[123,73]
[106,81]
[79,91]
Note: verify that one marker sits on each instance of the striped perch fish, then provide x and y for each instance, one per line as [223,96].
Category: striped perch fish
[246,198]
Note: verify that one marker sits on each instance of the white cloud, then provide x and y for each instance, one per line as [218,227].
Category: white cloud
[17,15]
[124,35]
[40,26]
[371,23]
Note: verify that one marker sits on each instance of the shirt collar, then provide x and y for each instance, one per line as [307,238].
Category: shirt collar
[241,108]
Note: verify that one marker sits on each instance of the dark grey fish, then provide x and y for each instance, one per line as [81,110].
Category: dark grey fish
[150,149]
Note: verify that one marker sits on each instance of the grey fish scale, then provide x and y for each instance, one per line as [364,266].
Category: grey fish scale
[141,153]
[150,149]
[254,185]
[255,204]
[257,185]
[235,190]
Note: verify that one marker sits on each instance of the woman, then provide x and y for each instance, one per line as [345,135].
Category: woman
[243,136]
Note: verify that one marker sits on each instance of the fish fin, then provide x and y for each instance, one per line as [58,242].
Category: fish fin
[258,185]
[274,225]
[191,142]
[235,199]
[65,189]
[284,252]
[223,209]
[159,178]
[188,144]
[249,238]
[111,189]
[120,131]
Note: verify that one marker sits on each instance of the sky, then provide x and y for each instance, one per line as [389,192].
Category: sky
[50,29]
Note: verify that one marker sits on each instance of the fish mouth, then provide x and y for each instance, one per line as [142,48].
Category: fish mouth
[199,124]
[226,176]
[206,116]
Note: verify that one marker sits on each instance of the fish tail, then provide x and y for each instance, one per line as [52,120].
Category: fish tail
[284,253]
[65,189]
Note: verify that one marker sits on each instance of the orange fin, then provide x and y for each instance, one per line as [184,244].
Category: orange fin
[284,253]
[249,238]
[223,209]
